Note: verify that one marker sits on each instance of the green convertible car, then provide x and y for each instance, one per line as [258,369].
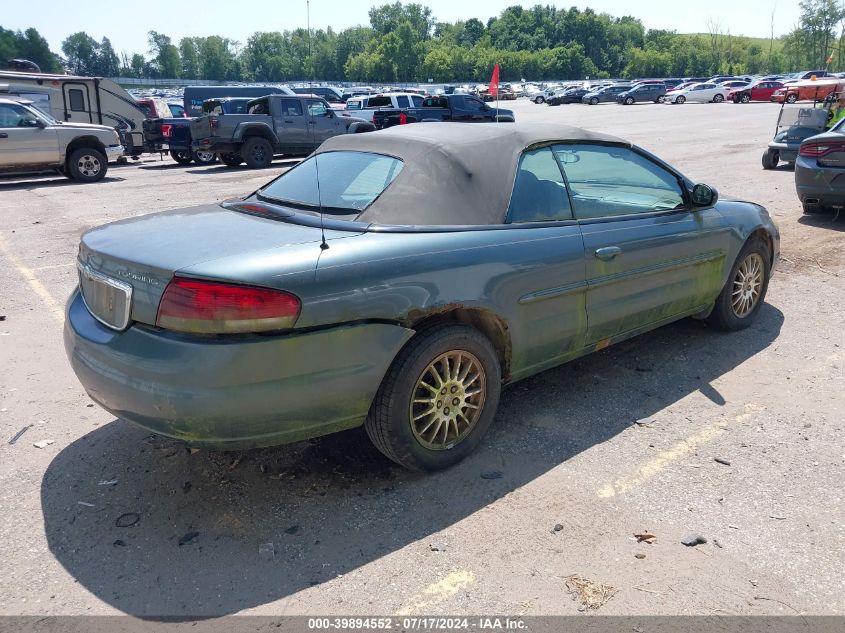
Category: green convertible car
[397,280]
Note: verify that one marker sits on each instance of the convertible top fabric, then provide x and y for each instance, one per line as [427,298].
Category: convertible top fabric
[454,173]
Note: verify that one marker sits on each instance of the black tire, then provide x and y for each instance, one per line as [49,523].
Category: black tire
[594,100]
[388,423]
[87,164]
[723,315]
[812,208]
[660,99]
[771,158]
[718,98]
[792,98]
[360,128]
[539,100]
[183,157]
[680,99]
[629,100]
[232,159]
[745,98]
[204,158]
[257,152]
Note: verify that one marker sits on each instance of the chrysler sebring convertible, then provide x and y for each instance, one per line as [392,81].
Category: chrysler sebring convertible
[397,280]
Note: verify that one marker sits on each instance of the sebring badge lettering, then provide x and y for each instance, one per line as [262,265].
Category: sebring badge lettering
[128,274]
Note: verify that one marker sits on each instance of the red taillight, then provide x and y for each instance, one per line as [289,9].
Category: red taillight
[210,307]
[403,118]
[166,129]
[212,122]
[817,150]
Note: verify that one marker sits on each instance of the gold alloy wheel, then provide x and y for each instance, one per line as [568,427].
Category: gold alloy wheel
[747,285]
[447,400]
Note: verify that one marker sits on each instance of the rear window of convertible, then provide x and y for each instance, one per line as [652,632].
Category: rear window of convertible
[344,183]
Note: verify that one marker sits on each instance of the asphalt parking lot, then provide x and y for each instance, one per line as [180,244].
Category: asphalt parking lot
[110,520]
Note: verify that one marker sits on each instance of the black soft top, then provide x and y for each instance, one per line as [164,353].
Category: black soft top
[454,173]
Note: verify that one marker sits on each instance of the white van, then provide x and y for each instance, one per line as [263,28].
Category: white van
[81,100]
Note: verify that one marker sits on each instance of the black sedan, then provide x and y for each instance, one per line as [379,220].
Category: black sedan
[573,95]
[818,171]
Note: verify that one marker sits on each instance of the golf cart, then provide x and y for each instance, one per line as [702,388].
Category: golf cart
[796,123]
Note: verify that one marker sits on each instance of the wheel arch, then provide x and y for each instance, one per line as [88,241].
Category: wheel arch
[488,323]
[765,235]
[84,141]
[261,131]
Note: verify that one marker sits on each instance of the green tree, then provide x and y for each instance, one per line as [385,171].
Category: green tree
[189,54]
[165,55]
[80,51]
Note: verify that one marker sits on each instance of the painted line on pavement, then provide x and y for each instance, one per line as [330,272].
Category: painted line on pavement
[679,450]
[53,306]
[438,592]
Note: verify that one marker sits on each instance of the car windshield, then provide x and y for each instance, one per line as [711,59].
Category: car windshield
[44,115]
[343,183]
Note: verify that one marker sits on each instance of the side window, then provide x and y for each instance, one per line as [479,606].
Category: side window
[317,108]
[402,102]
[418,101]
[539,192]
[291,107]
[12,115]
[260,107]
[474,105]
[606,181]
[77,100]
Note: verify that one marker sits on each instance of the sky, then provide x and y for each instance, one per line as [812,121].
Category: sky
[127,25]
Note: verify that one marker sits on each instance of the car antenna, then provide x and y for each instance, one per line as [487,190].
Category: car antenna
[323,244]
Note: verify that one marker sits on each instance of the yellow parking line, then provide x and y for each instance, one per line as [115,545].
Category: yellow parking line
[679,450]
[438,592]
[37,287]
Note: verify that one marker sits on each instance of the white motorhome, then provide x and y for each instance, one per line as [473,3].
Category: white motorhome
[81,100]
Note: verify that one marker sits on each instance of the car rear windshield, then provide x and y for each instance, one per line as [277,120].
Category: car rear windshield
[343,183]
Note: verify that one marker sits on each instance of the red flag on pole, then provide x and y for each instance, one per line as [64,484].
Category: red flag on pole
[493,88]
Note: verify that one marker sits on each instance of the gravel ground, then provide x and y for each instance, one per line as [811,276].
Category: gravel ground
[581,457]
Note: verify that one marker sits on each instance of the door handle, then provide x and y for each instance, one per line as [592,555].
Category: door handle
[288,121]
[3,135]
[608,252]
[310,122]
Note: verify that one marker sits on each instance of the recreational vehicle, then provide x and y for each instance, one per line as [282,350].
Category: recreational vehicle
[81,100]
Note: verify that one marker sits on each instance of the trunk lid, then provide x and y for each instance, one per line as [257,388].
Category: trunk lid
[201,128]
[139,256]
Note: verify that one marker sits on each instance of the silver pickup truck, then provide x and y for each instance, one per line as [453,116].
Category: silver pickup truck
[32,140]
[274,125]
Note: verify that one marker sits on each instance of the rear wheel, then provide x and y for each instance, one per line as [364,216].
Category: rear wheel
[812,208]
[257,152]
[87,165]
[771,158]
[183,157]
[745,98]
[204,158]
[739,302]
[718,98]
[232,159]
[438,399]
[660,99]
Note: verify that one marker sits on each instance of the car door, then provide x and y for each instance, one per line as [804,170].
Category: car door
[25,139]
[290,119]
[648,258]
[321,122]
[546,284]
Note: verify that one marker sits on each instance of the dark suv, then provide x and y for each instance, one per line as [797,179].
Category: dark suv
[643,92]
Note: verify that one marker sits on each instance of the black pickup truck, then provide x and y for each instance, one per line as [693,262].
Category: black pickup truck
[273,125]
[175,133]
[458,108]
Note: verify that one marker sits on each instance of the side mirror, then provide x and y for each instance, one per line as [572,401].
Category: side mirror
[31,123]
[704,195]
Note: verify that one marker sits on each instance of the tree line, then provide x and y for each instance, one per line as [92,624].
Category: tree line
[405,43]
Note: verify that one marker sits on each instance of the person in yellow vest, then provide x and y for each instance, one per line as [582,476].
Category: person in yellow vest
[837,109]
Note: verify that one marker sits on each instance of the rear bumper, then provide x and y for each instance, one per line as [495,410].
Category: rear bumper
[824,186]
[232,392]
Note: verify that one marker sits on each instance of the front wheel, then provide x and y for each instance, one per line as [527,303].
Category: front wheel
[594,100]
[87,165]
[745,98]
[539,100]
[629,100]
[438,399]
[257,152]
[680,99]
[660,99]
[204,158]
[792,98]
[183,157]
[718,98]
[771,158]
[739,302]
